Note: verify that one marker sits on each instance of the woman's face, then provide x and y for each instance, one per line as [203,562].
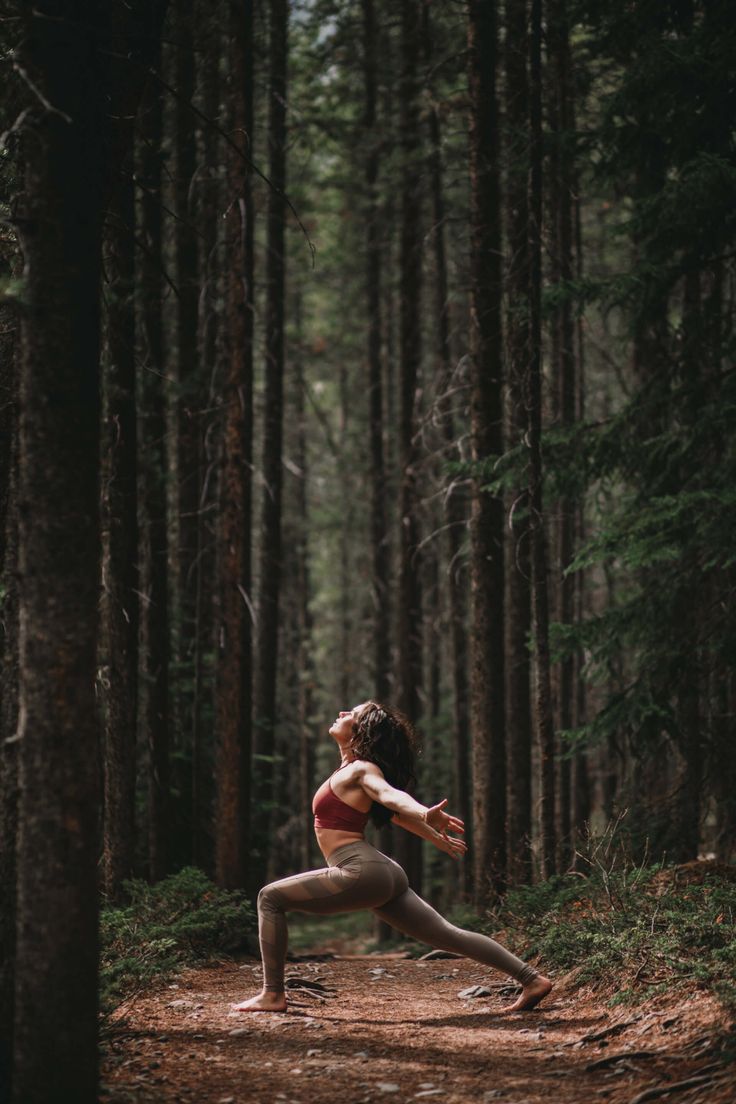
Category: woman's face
[343,726]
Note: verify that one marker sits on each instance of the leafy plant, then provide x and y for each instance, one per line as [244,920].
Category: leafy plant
[181,919]
[646,927]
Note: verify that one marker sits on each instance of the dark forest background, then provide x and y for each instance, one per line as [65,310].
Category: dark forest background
[355,350]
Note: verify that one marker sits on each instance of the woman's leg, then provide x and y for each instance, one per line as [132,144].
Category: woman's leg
[363,879]
[414,917]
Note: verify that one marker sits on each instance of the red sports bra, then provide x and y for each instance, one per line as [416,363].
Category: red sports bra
[330,811]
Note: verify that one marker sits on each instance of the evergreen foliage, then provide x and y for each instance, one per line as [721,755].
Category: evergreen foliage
[656,927]
[183,919]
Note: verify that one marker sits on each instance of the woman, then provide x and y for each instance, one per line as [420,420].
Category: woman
[377,747]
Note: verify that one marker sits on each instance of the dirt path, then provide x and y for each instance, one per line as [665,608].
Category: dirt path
[396,1029]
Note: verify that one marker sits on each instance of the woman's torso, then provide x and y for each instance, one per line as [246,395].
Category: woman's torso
[350,793]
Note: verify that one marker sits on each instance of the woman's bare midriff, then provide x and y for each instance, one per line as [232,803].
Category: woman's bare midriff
[329,839]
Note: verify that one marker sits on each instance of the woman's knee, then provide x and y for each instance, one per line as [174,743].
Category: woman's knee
[269,900]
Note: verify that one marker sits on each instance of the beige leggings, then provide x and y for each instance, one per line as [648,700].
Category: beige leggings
[360,877]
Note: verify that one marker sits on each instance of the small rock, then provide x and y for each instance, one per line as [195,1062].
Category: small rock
[237,1031]
[296,1069]
[474,991]
[362,1054]
[313,1052]
[226,1100]
[429,1092]
[387,1086]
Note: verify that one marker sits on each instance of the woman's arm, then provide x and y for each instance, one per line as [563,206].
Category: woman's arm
[370,777]
[430,823]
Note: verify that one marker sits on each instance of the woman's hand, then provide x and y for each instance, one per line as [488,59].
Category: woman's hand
[442,822]
[454,846]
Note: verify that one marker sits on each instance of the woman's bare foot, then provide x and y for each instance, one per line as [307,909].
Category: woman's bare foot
[264,1002]
[531,995]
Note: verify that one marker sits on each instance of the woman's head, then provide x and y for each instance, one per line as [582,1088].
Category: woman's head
[386,737]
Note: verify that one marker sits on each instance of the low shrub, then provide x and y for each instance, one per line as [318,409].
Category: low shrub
[182,919]
[643,928]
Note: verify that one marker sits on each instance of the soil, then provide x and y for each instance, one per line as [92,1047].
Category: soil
[366,1028]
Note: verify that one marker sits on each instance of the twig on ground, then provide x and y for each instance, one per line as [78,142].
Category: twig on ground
[676,1086]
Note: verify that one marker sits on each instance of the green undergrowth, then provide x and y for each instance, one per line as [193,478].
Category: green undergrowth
[641,930]
[181,920]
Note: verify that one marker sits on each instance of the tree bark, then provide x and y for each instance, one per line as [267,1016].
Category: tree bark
[379,532]
[209,325]
[565,376]
[120,572]
[486,522]
[270,552]
[543,722]
[409,599]
[9,330]
[454,504]
[58,558]
[155,643]
[517,566]
[190,398]
[233,635]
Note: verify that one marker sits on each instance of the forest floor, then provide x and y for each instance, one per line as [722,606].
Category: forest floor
[366,1028]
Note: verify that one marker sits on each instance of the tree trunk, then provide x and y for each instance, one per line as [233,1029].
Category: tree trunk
[120,574]
[379,533]
[564,374]
[543,723]
[154,512]
[208,327]
[270,552]
[486,523]
[9,327]
[304,643]
[517,566]
[233,635]
[58,559]
[189,385]
[455,513]
[409,626]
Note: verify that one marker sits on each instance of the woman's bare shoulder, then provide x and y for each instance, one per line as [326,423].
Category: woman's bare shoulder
[363,767]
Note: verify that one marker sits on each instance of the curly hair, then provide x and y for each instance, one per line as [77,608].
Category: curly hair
[386,737]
